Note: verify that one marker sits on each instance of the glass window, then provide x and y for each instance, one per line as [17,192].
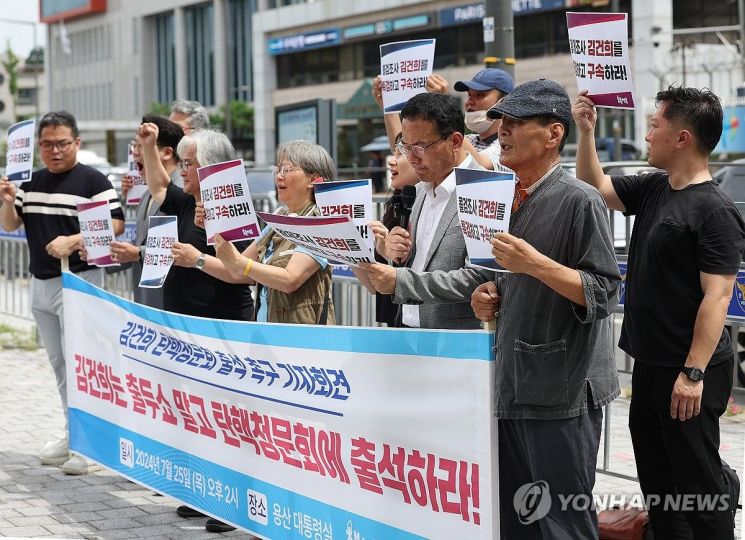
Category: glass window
[200,55]
[165,59]
[240,50]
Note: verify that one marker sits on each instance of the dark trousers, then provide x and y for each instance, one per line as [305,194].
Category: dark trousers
[558,458]
[680,459]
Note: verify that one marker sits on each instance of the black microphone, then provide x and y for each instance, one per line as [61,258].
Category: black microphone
[405,203]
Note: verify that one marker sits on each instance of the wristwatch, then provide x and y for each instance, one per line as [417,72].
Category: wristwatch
[200,261]
[694,374]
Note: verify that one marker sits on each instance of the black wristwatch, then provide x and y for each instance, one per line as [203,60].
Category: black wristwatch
[694,374]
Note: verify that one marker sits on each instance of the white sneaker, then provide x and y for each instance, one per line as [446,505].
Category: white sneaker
[55,452]
[76,465]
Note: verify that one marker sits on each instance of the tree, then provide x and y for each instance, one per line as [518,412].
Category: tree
[10,63]
[241,126]
[160,109]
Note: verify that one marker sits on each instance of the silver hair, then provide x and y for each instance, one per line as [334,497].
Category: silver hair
[212,146]
[194,111]
[312,158]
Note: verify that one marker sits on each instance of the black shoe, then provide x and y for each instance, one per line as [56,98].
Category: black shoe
[188,512]
[217,526]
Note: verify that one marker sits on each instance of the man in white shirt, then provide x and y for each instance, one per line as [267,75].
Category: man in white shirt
[433,283]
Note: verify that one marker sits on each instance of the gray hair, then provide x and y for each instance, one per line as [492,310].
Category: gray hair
[312,158]
[194,111]
[212,146]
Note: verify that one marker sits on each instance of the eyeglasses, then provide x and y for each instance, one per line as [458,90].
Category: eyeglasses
[285,169]
[417,150]
[184,165]
[59,145]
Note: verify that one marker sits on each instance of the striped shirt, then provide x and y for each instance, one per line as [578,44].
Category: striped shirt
[47,206]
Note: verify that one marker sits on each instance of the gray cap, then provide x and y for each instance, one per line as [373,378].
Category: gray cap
[535,98]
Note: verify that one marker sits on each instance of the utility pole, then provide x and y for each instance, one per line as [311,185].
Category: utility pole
[499,36]
[741,20]
[617,147]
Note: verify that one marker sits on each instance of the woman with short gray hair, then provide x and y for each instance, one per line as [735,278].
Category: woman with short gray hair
[294,286]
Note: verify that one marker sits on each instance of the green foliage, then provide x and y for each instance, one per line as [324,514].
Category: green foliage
[10,63]
[160,109]
[241,125]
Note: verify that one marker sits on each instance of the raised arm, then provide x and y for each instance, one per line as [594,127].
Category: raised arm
[588,164]
[9,218]
[156,175]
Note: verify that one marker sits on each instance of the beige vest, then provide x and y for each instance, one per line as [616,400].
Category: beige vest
[309,302]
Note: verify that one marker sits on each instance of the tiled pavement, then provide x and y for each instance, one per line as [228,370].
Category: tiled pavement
[40,501]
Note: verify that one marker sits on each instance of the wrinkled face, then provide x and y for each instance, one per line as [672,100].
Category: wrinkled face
[436,161]
[402,174]
[523,142]
[661,139]
[182,120]
[188,168]
[481,100]
[294,185]
[59,148]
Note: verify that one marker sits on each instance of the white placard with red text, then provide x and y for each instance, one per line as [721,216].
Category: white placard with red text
[484,208]
[162,233]
[351,198]
[335,238]
[139,186]
[97,229]
[599,46]
[288,430]
[19,158]
[228,208]
[404,69]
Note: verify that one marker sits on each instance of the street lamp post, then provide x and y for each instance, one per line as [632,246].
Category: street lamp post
[36,68]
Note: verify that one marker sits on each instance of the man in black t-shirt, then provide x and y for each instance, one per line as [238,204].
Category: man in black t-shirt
[46,207]
[685,252]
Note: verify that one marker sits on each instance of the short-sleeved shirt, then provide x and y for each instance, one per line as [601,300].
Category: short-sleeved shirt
[677,235]
[490,148]
[47,204]
[262,313]
[191,291]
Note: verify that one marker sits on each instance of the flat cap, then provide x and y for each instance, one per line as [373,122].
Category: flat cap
[535,98]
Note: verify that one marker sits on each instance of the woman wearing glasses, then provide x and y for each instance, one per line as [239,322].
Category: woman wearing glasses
[187,289]
[294,286]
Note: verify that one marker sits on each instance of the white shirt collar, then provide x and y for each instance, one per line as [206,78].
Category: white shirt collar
[447,186]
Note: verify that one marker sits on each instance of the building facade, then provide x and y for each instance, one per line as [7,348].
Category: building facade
[126,55]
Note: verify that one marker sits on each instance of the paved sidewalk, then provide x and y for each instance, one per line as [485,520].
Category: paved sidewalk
[40,501]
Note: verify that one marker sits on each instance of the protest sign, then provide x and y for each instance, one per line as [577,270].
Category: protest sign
[228,208]
[162,232]
[97,229]
[404,69]
[288,431]
[484,207]
[599,46]
[139,186]
[335,238]
[19,159]
[352,198]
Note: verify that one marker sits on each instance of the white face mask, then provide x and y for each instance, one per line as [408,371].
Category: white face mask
[477,121]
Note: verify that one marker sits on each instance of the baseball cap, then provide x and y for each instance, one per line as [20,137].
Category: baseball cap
[488,79]
[535,98]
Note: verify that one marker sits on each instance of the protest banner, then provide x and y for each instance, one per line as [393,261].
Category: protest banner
[404,69]
[484,208]
[288,431]
[351,198]
[97,229]
[19,158]
[335,238]
[162,233]
[599,47]
[139,186]
[228,208]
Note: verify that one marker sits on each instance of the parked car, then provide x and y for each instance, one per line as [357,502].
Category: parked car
[262,188]
[605,149]
[731,178]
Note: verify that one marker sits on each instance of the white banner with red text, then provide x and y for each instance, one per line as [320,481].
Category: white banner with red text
[288,431]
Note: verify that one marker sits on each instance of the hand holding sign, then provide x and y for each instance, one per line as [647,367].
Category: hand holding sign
[7,191]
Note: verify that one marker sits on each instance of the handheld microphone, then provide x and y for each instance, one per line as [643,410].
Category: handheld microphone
[407,198]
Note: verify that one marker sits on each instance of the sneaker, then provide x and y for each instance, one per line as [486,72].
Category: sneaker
[189,512]
[76,465]
[217,526]
[55,452]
